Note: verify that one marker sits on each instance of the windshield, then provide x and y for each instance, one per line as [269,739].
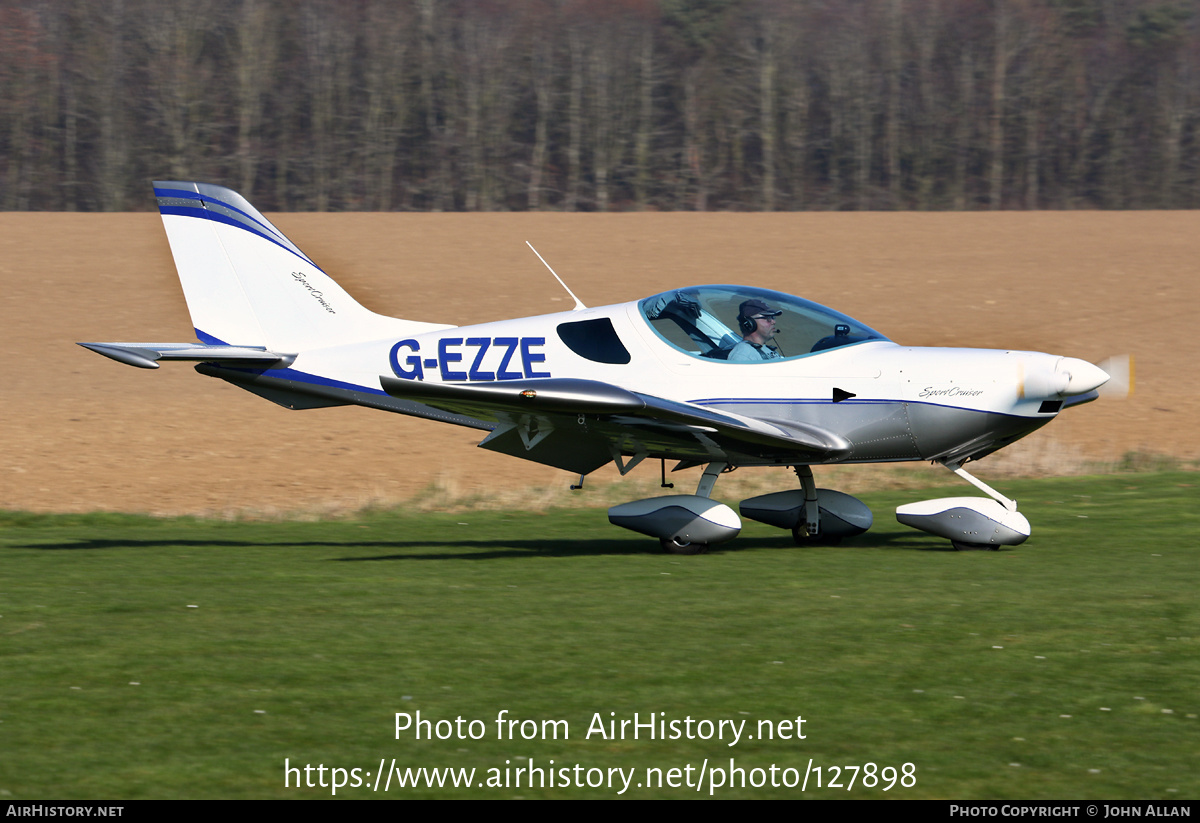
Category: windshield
[706,321]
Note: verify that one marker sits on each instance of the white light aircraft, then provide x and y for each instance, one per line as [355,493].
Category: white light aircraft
[714,376]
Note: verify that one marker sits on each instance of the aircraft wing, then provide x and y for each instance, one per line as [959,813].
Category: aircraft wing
[580,425]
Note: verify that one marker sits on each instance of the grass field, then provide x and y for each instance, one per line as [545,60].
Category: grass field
[165,658]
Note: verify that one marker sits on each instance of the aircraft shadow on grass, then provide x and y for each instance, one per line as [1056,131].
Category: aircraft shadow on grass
[484,549]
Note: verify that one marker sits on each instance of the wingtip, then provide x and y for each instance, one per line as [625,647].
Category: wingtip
[130,356]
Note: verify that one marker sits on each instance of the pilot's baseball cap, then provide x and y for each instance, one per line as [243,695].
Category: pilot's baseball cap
[757,308]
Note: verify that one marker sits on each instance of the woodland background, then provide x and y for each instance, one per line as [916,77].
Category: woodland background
[603,105]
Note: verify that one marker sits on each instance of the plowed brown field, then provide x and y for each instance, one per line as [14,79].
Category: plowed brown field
[84,433]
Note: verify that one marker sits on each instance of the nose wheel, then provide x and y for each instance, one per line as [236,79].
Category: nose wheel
[962,546]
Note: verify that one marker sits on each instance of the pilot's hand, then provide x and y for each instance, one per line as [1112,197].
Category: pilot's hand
[687,306]
[654,310]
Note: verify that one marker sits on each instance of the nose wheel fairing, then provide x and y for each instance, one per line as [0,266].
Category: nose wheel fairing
[969,522]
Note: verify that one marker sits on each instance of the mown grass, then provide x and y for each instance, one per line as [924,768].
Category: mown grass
[159,658]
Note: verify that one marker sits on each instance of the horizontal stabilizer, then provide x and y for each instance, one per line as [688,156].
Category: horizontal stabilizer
[147,355]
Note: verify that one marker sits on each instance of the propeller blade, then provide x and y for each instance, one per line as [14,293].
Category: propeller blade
[1120,376]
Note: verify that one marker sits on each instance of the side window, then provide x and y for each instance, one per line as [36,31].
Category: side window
[595,340]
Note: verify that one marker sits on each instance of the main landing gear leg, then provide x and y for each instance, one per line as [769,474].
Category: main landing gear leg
[709,478]
[808,531]
[815,517]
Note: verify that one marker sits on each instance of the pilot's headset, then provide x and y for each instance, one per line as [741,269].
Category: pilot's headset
[746,321]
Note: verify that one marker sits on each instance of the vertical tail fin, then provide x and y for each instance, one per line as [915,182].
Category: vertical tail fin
[246,284]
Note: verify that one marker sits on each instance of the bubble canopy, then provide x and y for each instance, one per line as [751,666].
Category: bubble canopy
[703,321]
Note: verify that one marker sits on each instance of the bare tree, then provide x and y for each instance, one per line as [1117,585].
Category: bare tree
[254,55]
[434,94]
[768,69]
[104,50]
[645,121]
[177,78]
[25,82]
[542,77]
[606,104]
[385,67]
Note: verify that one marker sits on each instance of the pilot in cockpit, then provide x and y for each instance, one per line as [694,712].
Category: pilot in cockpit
[756,322]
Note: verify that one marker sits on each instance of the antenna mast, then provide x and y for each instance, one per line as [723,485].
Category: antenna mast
[578,303]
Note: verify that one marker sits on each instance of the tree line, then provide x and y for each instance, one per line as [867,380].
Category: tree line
[603,105]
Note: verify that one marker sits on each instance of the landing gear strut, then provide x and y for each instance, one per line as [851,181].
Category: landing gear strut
[808,532]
